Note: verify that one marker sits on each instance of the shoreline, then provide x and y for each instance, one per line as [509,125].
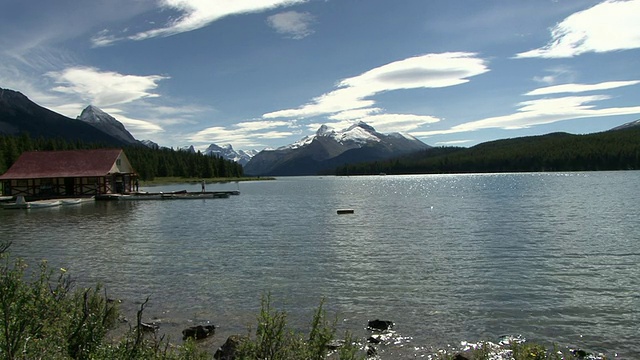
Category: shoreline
[218,180]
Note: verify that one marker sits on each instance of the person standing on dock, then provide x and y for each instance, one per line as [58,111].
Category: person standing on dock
[202,185]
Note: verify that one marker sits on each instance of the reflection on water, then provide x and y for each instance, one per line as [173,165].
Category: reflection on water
[448,258]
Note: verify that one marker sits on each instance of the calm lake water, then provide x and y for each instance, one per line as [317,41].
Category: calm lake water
[554,257]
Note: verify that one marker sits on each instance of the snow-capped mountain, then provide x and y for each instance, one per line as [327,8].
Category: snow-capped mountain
[329,148]
[150,144]
[106,123]
[226,151]
[189,149]
[627,125]
[359,133]
[18,114]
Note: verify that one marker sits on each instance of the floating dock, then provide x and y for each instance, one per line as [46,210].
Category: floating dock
[173,195]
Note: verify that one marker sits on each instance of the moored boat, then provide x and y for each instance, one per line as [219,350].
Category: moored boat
[44,204]
[20,203]
[74,201]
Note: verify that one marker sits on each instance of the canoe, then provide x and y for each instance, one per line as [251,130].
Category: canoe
[44,204]
[74,201]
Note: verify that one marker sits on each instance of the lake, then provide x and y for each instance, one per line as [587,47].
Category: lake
[553,257]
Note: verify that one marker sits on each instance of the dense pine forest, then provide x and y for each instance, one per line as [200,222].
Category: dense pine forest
[149,163]
[611,150]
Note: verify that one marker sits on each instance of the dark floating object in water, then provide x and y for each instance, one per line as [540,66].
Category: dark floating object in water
[380,325]
[345,211]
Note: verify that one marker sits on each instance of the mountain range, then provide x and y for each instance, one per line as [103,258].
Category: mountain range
[329,148]
[18,114]
[325,149]
[321,152]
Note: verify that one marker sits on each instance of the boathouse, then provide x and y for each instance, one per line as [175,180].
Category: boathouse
[47,174]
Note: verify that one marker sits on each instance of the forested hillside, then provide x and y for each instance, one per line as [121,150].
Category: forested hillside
[611,150]
[149,163]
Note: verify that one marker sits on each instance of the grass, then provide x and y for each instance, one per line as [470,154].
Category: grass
[44,317]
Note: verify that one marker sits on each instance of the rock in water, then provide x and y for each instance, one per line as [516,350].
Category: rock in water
[198,332]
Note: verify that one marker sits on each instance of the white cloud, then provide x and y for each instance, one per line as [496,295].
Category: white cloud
[104,88]
[541,111]
[398,122]
[577,88]
[293,24]
[452,142]
[244,134]
[382,122]
[137,127]
[426,71]
[557,74]
[609,26]
[197,14]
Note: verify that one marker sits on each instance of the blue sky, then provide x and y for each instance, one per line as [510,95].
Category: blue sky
[265,73]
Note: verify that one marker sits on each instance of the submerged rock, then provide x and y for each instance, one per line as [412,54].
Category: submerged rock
[198,332]
[459,356]
[149,327]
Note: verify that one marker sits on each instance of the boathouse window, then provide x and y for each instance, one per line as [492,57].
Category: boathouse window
[118,162]
[46,186]
[90,180]
[21,183]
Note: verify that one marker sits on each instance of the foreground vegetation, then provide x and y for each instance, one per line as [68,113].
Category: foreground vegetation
[149,163]
[44,317]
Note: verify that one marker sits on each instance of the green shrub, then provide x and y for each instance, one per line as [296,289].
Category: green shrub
[273,340]
[42,317]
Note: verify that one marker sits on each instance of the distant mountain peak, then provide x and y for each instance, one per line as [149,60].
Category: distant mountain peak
[99,119]
[325,130]
[362,125]
[226,151]
[628,125]
[18,114]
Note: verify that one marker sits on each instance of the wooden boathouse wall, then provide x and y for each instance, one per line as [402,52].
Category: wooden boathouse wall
[77,173]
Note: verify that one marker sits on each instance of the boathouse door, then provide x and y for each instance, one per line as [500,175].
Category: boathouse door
[68,186]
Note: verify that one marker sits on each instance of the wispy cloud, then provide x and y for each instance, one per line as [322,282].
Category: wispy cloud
[453,142]
[609,26]
[352,100]
[243,134]
[195,15]
[293,24]
[577,88]
[142,128]
[556,74]
[104,88]
[541,111]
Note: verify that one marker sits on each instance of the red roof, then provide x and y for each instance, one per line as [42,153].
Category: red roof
[71,163]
